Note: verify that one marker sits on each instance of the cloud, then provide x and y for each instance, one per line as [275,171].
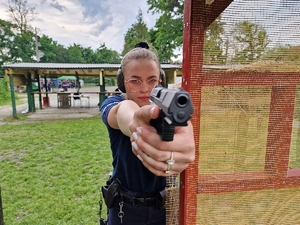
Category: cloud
[58,6]
[87,22]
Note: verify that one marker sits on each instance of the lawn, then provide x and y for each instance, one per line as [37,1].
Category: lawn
[51,172]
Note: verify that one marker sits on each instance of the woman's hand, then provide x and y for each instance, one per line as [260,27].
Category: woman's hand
[153,152]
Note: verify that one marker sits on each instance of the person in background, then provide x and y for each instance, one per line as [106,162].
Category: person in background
[49,84]
[139,155]
[65,84]
[42,86]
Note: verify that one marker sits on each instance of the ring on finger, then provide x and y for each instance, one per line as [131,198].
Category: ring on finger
[170,163]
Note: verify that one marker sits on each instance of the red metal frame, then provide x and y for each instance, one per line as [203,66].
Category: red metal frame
[276,174]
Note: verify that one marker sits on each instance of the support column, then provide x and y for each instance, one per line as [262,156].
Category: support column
[1,210]
[175,76]
[46,90]
[40,95]
[102,86]
[30,96]
[12,93]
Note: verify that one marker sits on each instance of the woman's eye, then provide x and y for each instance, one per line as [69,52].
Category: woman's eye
[135,81]
[152,81]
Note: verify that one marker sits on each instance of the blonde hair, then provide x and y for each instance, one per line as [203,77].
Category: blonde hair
[139,53]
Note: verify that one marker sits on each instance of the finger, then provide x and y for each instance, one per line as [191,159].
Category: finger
[147,112]
[160,168]
[157,167]
[151,144]
[140,144]
[143,116]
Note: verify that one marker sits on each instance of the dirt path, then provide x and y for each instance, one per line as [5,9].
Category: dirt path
[53,112]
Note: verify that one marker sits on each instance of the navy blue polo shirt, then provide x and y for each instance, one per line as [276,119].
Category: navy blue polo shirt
[134,176]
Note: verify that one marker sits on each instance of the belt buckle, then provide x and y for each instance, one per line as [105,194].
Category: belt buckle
[136,201]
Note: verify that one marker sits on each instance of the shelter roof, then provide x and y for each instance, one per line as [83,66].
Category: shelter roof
[60,69]
[74,66]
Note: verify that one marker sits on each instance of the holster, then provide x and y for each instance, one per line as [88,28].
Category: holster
[110,192]
[161,200]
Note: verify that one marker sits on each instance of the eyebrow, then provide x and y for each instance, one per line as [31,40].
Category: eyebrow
[138,77]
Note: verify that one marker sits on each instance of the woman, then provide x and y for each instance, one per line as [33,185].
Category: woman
[139,155]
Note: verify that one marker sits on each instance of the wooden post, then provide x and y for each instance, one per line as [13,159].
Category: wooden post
[39,87]
[12,93]
[102,87]
[1,210]
[30,97]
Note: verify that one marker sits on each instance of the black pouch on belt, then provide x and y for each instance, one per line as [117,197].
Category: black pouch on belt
[161,200]
[110,192]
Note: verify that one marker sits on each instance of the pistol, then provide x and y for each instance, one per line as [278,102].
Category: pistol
[175,110]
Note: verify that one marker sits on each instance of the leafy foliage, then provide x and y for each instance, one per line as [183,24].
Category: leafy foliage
[6,40]
[167,35]
[173,7]
[23,48]
[4,91]
[214,43]
[50,48]
[283,53]
[250,41]
[137,33]
[105,55]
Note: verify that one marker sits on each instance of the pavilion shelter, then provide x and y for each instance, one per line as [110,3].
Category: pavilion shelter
[29,73]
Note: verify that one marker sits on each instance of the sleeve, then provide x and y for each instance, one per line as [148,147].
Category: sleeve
[107,105]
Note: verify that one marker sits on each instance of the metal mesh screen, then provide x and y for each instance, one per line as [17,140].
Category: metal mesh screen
[233,129]
[248,96]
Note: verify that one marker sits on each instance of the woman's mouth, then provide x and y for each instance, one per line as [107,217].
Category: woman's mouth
[144,98]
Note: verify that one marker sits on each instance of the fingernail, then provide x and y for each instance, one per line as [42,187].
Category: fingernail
[135,136]
[140,158]
[152,110]
[139,130]
[134,145]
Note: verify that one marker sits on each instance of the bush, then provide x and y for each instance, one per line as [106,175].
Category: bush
[4,92]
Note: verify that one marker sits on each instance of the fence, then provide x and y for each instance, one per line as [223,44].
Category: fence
[246,120]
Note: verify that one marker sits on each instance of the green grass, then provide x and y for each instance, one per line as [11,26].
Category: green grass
[51,173]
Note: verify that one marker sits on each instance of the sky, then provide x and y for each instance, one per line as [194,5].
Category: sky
[280,18]
[89,23]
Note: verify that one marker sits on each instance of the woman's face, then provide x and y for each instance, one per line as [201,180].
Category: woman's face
[140,76]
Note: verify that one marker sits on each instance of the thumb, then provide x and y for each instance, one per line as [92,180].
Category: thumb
[148,112]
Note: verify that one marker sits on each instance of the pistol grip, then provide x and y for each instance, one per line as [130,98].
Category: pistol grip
[165,130]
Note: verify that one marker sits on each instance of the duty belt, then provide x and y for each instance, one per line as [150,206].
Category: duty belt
[156,201]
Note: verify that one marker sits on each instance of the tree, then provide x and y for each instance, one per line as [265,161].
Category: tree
[47,46]
[61,54]
[4,91]
[283,53]
[88,55]
[105,55]
[250,41]
[21,14]
[75,54]
[137,33]
[23,47]
[173,7]
[7,37]
[214,44]
[167,35]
